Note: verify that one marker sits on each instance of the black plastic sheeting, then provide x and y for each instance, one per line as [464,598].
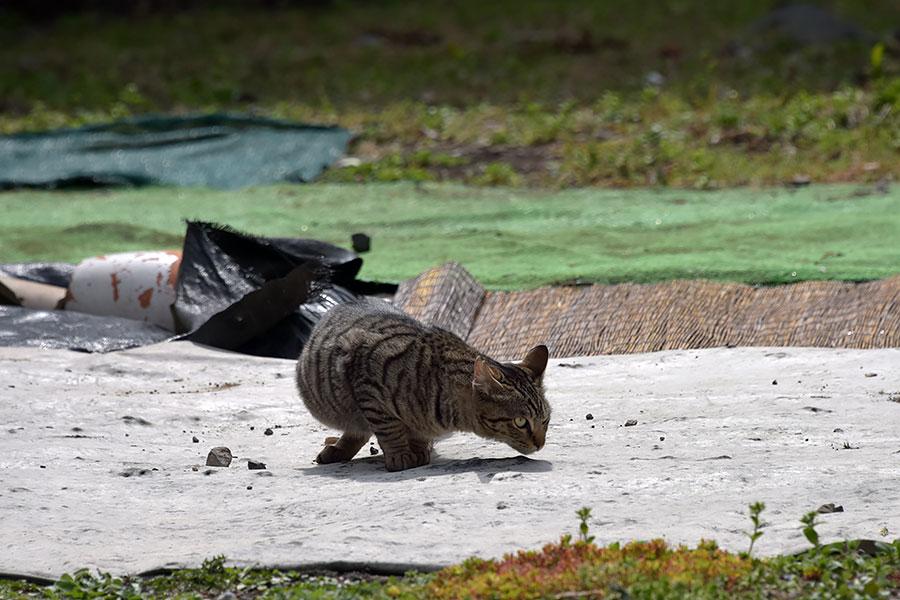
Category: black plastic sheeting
[51,273]
[259,295]
[59,329]
[235,291]
[220,150]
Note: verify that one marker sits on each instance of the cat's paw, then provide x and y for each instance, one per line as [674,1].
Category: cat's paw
[333,454]
[401,461]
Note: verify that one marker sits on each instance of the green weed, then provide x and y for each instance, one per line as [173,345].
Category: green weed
[755,510]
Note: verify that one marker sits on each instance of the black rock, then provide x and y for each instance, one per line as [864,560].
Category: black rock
[255,465]
[195,439]
[589,417]
[630,422]
[268,431]
[361,242]
[220,456]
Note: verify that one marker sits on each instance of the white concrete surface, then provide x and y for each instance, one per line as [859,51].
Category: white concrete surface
[713,434]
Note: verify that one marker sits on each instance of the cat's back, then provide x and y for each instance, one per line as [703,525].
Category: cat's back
[366,316]
[368,326]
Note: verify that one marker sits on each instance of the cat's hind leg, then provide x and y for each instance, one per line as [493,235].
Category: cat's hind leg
[342,450]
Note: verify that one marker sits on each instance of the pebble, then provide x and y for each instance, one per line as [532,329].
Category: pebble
[195,439]
[630,422]
[255,465]
[268,431]
[220,456]
[589,417]
[361,242]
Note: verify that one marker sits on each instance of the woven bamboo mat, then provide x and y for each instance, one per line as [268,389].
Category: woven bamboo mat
[631,318]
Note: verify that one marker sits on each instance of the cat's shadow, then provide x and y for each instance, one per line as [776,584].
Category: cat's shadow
[372,468]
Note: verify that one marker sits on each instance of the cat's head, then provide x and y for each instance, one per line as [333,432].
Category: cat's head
[510,406]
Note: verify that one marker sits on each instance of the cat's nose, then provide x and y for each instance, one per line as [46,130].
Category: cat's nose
[538,438]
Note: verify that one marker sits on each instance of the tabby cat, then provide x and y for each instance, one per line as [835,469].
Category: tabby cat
[369,368]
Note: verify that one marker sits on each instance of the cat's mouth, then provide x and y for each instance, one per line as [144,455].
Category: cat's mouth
[525,449]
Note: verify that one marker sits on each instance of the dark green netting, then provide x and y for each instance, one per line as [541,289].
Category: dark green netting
[218,150]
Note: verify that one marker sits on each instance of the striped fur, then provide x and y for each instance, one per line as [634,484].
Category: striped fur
[369,368]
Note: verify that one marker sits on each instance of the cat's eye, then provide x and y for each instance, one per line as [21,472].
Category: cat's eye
[520,422]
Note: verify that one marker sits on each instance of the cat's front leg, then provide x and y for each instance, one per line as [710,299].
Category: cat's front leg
[421,448]
[400,452]
[342,450]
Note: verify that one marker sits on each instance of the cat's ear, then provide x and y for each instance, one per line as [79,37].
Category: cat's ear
[536,361]
[486,376]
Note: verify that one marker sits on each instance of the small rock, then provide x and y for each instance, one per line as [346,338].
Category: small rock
[800,180]
[255,465]
[220,456]
[249,487]
[589,417]
[662,438]
[348,161]
[774,382]
[195,439]
[194,469]
[361,242]
[630,422]
[502,505]
[330,440]
[871,374]
[133,472]
[268,431]
[831,507]
[373,450]
[838,430]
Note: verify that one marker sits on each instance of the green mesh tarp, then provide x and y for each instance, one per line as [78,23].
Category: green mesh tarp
[219,150]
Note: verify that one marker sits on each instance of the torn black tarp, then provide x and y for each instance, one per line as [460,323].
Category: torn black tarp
[60,329]
[245,293]
[51,273]
[235,291]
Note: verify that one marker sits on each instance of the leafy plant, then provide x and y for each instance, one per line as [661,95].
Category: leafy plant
[755,510]
[809,528]
[584,514]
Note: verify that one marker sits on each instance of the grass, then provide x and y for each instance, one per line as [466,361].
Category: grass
[566,569]
[505,93]
[507,238]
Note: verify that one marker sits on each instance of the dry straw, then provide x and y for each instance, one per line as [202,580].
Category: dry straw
[629,318]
